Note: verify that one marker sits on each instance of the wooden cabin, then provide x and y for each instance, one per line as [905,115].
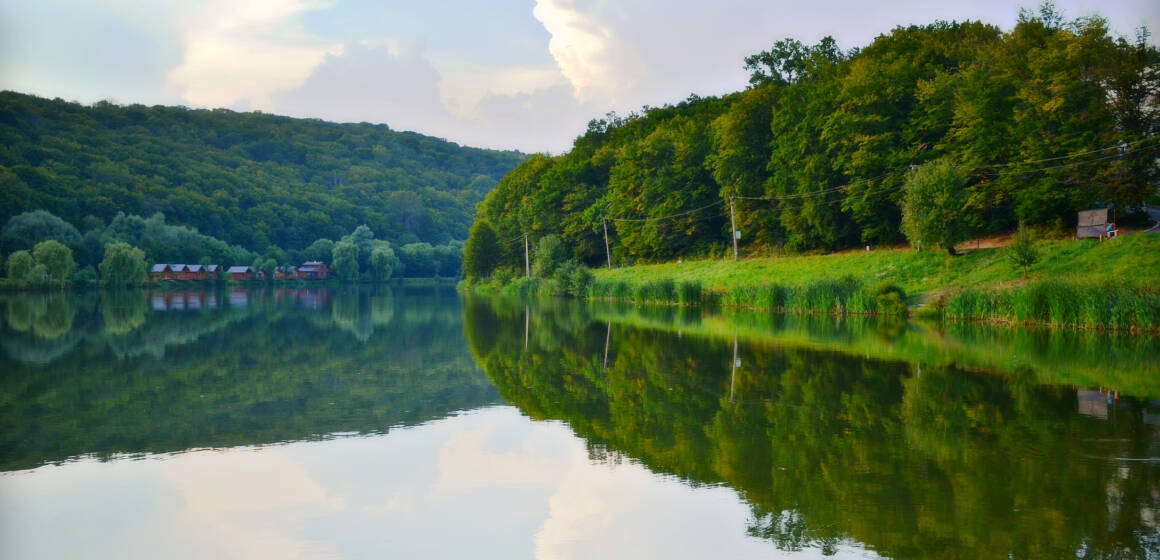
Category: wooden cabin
[241,273]
[313,270]
[160,272]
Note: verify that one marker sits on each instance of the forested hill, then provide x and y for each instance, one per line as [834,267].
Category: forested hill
[250,179]
[1033,124]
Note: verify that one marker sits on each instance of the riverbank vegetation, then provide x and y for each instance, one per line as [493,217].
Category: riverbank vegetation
[119,254]
[1084,283]
[1070,283]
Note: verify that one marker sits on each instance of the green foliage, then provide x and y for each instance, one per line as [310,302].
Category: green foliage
[572,279]
[85,277]
[24,231]
[345,261]
[1022,250]
[249,179]
[123,265]
[934,205]
[56,258]
[319,250]
[18,266]
[820,144]
[163,242]
[266,266]
[383,261]
[37,276]
[481,253]
[550,253]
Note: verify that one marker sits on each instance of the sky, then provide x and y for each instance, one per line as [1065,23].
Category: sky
[505,74]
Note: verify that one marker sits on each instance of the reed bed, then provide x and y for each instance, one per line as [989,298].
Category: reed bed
[1060,304]
[838,296]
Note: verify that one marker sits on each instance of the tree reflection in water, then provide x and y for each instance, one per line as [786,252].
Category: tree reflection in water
[912,459]
[129,372]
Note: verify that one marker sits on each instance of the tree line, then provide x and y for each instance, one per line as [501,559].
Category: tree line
[248,179]
[40,249]
[990,129]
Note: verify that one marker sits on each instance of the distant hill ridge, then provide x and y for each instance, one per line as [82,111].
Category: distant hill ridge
[250,179]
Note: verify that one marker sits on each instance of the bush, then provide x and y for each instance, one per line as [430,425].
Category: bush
[85,277]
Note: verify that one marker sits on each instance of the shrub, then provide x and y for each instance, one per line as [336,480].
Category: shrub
[1022,250]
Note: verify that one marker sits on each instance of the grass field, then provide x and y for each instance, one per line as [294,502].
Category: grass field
[1131,261]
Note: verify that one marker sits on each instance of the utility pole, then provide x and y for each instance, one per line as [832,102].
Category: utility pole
[733,372]
[527,261]
[607,253]
[607,339]
[733,228]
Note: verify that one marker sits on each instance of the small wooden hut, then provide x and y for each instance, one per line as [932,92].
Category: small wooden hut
[1095,223]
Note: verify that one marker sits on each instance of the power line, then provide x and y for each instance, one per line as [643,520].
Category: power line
[670,216]
[1068,156]
[822,192]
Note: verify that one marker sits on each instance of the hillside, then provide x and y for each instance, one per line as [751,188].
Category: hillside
[1027,125]
[249,179]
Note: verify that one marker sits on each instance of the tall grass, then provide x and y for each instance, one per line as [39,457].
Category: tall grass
[1061,304]
[840,296]
[661,291]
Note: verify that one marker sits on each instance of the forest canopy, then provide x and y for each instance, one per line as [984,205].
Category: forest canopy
[250,180]
[1039,122]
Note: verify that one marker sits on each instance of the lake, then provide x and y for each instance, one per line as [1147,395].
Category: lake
[418,422]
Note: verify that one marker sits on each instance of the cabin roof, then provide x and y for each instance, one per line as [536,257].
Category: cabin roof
[239,269]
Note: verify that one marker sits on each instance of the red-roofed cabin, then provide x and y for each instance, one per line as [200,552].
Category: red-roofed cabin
[313,270]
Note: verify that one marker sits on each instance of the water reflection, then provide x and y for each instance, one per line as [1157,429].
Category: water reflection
[700,435]
[832,434]
[136,372]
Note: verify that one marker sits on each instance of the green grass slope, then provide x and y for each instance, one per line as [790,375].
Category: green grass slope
[1133,261]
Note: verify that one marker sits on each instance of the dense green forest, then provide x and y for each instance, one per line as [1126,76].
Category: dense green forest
[1021,126]
[250,180]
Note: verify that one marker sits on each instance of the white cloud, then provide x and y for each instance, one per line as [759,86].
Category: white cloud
[239,504]
[464,86]
[587,50]
[246,52]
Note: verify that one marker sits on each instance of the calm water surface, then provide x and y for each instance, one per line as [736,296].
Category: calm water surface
[416,423]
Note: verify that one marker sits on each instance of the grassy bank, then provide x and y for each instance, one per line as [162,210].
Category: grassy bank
[1087,284]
